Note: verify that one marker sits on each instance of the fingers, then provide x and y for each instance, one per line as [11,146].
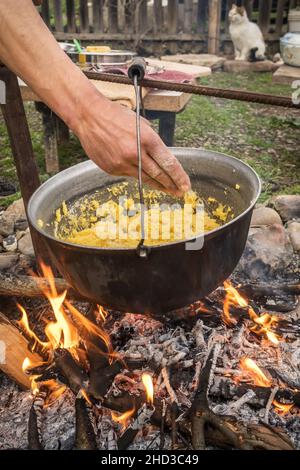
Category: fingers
[169,165]
[156,173]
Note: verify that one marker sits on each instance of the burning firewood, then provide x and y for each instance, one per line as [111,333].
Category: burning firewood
[14,348]
[29,286]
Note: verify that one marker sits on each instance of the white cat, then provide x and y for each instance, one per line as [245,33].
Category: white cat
[246,36]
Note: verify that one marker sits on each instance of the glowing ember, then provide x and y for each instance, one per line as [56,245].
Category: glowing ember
[257,375]
[123,418]
[282,408]
[148,384]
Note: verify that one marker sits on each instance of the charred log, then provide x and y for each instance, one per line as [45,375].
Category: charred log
[85,436]
[13,285]
[76,378]
[34,423]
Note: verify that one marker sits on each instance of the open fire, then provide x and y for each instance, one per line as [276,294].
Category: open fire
[137,382]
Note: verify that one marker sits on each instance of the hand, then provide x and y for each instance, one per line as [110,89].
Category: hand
[109,138]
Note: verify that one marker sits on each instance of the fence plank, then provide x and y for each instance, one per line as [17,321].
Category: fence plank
[46,12]
[229,4]
[188,15]
[71,25]
[264,15]
[172,16]
[202,15]
[58,15]
[129,13]
[281,5]
[112,16]
[84,16]
[142,16]
[214,16]
[98,16]
[248,4]
[158,16]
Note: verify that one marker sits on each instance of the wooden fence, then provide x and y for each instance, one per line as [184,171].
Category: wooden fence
[192,23]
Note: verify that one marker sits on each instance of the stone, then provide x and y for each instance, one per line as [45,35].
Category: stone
[17,210]
[21,224]
[204,60]
[294,233]
[8,260]
[14,213]
[7,223]
[286,75]
[25,245]
[265,216]
[267,254]
[20,234]
[243,66]
[10,243]
[288,206]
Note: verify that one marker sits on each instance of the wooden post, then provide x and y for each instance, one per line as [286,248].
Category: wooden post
[84,16]
[112,16]
[71,25]
[58,16]
[188,16]
[214,16]
[202,14]
[13,351]
[264,15]
[50,137]
[98,16]
[17,127]
[158,16]
[172,16]
[62,131]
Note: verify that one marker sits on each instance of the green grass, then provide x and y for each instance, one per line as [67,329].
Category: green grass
[268,138]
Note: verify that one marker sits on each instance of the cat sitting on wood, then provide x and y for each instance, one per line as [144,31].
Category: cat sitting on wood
[246,36]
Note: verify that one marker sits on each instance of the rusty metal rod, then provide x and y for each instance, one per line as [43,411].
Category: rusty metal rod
[232,94]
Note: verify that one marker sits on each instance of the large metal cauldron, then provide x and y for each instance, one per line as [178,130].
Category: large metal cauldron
[171,277]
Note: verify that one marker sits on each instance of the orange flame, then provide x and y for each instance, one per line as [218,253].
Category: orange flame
[24,324]
[263,323]
[28,364]
[123,418]
[148,384]
[232,298]
[282,408]
[62,332]
[102,313]
[257,375]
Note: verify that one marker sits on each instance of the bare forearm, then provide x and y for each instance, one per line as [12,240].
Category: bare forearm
[30,50]
[105,129]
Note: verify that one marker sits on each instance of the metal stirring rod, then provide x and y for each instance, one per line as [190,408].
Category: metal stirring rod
[136,73]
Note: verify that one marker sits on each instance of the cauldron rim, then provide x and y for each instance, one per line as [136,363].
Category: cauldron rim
[175,150]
